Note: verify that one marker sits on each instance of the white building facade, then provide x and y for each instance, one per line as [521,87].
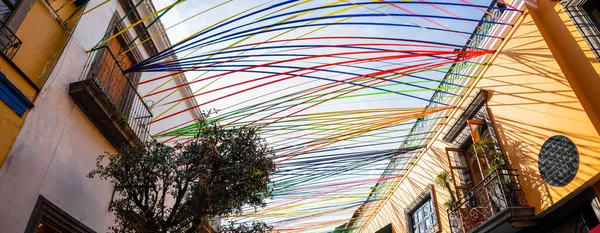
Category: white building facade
[44,176]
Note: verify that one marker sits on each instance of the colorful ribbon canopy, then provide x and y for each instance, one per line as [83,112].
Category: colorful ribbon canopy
[347,92]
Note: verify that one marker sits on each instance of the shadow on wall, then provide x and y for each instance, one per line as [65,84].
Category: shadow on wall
[416,182]
[532,101]
[516,152]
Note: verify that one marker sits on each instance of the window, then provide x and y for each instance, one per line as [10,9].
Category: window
[12,96]
[586,16]
[475,127]
[475,151]
[423,217]
[459,169]
[421,214]
[48,218]
[470,163]
[6,8]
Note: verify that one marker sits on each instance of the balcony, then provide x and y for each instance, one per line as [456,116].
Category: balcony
[110,101]
[9,42]
[494,205]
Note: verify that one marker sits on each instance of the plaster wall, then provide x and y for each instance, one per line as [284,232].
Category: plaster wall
[531,100]
[10,122]
[58,145]
[43,36]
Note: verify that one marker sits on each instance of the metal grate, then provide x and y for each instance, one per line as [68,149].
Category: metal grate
[9,42]
[106,71]
[558,161]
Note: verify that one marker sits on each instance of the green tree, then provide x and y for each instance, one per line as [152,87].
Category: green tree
[255,227]
[179,189]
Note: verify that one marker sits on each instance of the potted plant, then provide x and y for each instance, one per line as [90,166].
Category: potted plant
[486,148]
[495,161]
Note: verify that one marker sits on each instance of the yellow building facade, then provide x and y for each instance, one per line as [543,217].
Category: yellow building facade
[33,34]
[538,102]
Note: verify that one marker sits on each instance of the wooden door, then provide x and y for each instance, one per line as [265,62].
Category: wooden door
[110,77]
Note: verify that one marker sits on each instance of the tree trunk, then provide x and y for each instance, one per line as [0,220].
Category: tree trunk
[450,192]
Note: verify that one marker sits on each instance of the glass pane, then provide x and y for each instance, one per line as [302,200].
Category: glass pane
[486,135]
[431,208]
[4,11]
[417,216]
[426,209]
[423,218]
[458,158]
[461,160]
[463,177]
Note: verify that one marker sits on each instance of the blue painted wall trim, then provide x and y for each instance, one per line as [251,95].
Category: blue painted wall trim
[13,97]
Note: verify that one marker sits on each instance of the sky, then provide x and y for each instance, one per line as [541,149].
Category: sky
[328,181]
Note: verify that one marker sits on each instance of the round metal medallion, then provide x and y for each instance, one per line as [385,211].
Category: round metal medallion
[558,161]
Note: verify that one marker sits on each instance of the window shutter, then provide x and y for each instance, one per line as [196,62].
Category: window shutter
[475,126]
[459,169]
[13,97]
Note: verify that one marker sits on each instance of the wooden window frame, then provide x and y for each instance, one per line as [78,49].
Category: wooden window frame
[482,166]
[475,134]
[47,211]
[116,26]
[13,97]
[452,168]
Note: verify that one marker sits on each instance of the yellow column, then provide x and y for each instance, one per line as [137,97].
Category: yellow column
[573,62]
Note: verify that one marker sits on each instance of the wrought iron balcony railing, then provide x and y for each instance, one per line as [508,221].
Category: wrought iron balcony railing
[9,42]
[498,192]
[111,101]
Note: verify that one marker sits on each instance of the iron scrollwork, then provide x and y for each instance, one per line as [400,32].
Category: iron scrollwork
[497,192]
